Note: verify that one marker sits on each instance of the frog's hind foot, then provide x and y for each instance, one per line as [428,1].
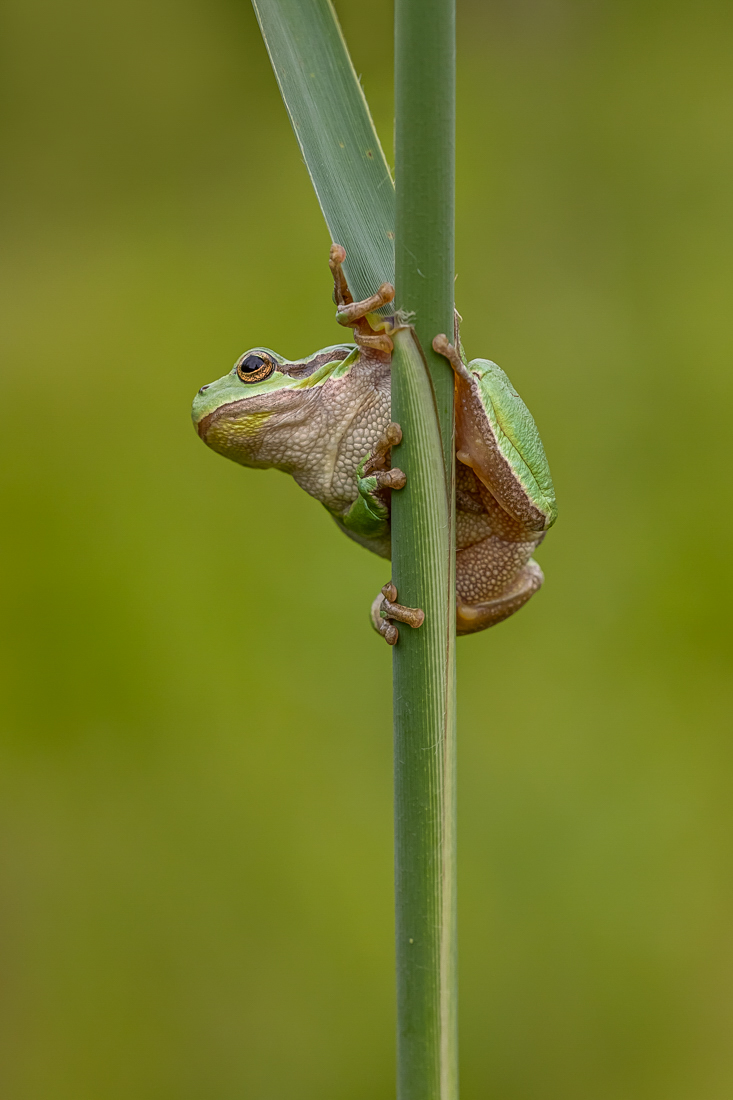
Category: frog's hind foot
[353,314]
[385,609]
[471,618]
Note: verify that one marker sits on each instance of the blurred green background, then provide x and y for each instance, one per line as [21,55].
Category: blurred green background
[195,775]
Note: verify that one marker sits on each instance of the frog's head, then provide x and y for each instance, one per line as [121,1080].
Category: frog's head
[264,411]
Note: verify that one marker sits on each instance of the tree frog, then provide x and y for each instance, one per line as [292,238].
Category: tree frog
[325,420]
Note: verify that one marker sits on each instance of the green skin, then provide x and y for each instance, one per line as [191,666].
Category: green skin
[323,419]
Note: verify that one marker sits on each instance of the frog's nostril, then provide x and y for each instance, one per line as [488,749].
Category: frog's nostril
[204,388]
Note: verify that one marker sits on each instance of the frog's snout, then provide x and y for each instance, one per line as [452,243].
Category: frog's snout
[200,420]
[201,424]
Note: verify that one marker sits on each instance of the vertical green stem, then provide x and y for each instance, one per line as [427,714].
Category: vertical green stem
[423,554]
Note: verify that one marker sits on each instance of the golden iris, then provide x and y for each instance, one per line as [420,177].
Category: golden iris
[255,368]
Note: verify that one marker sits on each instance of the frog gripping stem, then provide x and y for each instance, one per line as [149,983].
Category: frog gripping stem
[353,314]
[385,609]
[443,347]
[379,460]
[390,479]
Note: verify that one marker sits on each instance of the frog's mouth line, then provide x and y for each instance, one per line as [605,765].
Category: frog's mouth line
[240,416]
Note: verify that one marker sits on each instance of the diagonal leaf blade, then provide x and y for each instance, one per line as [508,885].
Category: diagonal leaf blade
[337,138]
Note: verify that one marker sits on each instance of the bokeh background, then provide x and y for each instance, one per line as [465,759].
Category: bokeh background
[195,773]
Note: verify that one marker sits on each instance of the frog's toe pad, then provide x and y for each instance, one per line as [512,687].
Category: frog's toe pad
[471,618]
[390,479]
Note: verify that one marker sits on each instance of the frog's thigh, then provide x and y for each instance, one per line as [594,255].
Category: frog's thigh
[477,447]
[478,616]
[489,568]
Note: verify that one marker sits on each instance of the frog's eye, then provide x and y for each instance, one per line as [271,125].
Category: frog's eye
[255,368]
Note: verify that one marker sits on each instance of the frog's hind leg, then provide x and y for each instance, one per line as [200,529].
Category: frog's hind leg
[353,314]
[493,422]
[472,617]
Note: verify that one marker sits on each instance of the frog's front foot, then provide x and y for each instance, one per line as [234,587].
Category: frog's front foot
[378,466]
[353,314]
[385,609]
[381,456]
[390,479]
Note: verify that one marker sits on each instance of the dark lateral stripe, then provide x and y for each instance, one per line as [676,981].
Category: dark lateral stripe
[305,370]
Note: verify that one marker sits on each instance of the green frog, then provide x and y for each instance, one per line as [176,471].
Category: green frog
[325,420]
